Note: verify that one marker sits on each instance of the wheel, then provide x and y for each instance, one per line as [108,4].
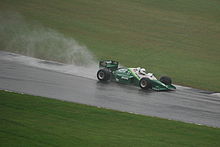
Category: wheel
[166,80]
[145,83]
[103,75]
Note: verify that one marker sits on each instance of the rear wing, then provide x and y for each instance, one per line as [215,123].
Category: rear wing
[112,65]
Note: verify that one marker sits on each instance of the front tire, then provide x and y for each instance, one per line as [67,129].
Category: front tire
[166,80]
[103,75]
[145,83]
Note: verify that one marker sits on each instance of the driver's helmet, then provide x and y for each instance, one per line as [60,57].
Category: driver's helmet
[143,71]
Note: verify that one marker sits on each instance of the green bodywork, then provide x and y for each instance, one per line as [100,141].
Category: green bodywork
[159,86]
[128,76]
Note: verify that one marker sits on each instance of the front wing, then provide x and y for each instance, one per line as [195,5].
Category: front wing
[159,86]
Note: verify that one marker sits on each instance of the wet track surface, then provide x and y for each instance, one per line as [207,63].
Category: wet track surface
[184,104]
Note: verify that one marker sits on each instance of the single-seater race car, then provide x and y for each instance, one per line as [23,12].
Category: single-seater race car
[109,71]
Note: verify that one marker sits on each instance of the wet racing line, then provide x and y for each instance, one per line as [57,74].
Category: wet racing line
[81,86]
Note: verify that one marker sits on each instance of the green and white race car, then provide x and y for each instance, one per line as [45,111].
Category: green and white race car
[109,71]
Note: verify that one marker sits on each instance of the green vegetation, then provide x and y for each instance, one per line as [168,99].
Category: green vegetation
[35,121]
[179,38]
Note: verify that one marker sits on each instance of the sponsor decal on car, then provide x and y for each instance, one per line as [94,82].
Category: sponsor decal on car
[125,78]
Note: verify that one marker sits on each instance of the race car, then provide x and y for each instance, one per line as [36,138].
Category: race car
[110,71]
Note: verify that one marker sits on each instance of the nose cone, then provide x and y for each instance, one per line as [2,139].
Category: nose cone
[159,86]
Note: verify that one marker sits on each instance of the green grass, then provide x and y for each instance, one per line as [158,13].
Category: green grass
[35,121]
[179,38]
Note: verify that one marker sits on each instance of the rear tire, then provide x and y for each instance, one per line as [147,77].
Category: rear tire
[103,75]
[166,80]
[145,83]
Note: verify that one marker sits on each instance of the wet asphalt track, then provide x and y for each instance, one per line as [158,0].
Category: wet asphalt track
[184,104]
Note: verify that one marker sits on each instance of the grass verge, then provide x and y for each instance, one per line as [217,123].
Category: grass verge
[35,121]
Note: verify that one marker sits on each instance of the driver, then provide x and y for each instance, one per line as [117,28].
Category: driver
[142,71]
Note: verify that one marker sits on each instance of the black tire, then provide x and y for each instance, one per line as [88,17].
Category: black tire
[145,83]
[166,80]
[103,75]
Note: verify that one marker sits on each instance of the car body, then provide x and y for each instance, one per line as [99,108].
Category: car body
[109,71]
